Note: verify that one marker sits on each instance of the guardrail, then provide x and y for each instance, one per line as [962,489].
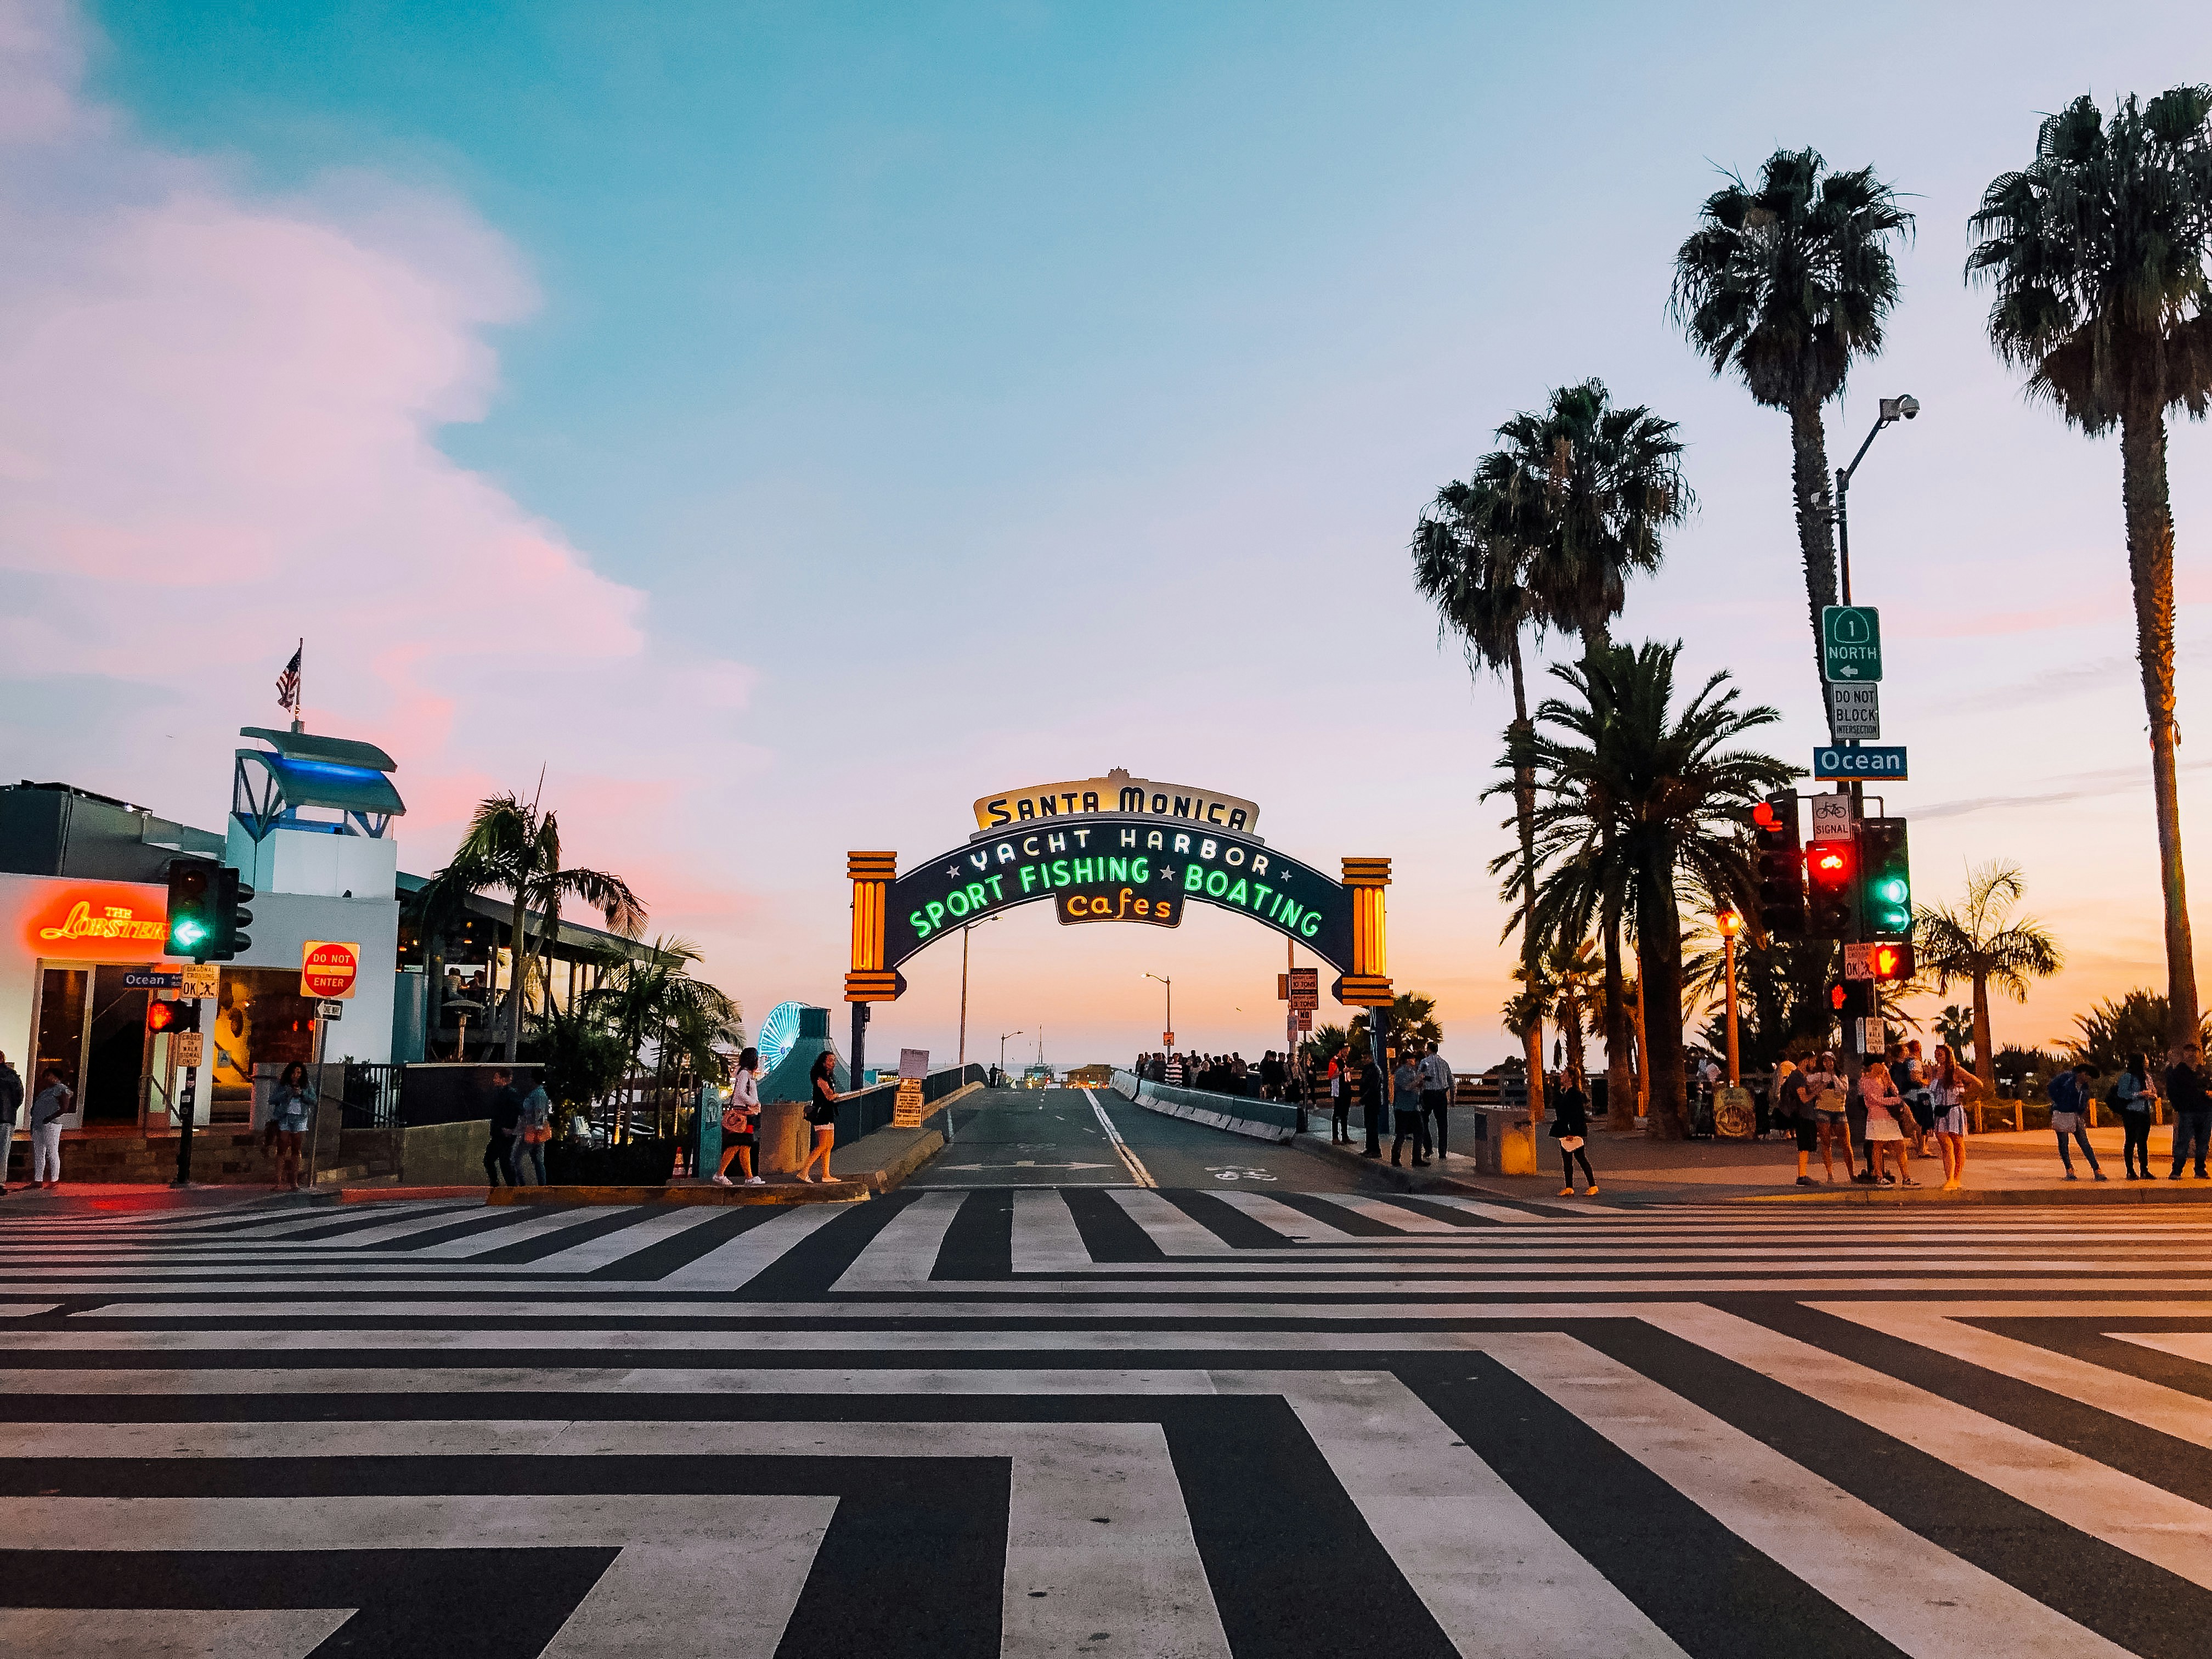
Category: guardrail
[1240,1115]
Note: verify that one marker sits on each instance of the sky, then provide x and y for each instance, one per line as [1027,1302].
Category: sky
[782,426]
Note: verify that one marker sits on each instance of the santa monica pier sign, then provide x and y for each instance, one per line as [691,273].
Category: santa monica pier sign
[1117,849]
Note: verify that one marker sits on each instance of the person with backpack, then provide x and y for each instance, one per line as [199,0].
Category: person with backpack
[2137,1097]
[2069,1116]
[532,1134]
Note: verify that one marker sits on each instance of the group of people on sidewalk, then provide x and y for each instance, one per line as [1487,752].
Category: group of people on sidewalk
[2134,1095]
[1904,1106]
[54,1101]
[1418,1091]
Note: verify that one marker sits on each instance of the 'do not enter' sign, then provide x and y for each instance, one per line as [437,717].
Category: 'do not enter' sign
[328,968]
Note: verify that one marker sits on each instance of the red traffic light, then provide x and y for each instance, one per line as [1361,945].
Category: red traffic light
[160,1016]
[1891,961]
[1829,863]
[1838,995]
[1763,815]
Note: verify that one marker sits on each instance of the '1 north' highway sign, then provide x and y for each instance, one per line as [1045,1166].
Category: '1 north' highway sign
[1850,642]
[1831,764]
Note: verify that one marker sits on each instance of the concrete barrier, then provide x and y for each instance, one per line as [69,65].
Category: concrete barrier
[1240,1115]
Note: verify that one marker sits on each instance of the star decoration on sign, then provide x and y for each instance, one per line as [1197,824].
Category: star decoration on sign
[953,871]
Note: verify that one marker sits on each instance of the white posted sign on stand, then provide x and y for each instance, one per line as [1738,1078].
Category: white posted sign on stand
[1831,817]
[1854,710]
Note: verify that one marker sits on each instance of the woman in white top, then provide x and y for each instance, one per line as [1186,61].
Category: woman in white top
[1947,1088]
[741,1122]
[1884,1134]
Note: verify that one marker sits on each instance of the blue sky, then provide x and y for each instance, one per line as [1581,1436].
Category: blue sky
[1014,391]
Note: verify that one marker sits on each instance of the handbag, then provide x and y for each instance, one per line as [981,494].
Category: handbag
[822,1112]
[537,1134]
[734,1119]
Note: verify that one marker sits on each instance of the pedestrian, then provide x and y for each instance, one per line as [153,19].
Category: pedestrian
[1946,1094]
[1370,1098]
[506,1120]
[2069,1116]
[1831,1114]
[1885,1129]
[1796,1107]
[1436,1094]
[1570,1128]
[1340,1098]
[1406,1118]
[822,1112]
[291,1109]
[1175,1072]
[2137,1096]
[741,1123]
[11,1102]
[1921,1101]
[54,1101]
[532,1134]
[2187,1091]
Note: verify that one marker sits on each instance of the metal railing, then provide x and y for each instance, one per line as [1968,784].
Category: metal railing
[372,1096]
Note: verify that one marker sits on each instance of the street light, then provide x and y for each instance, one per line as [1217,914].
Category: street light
[1167,1032]
[1731,924]
[1003,1035]
[964,932]
[1893,409]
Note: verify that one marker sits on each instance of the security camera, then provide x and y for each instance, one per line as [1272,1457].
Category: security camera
[1894,409]
[1908,406]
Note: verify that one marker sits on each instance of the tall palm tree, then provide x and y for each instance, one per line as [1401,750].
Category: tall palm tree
[1577,985]
[1676,790]
[1789,282]
[511,843]
[2098,251]
[1985,943]
[1469,554]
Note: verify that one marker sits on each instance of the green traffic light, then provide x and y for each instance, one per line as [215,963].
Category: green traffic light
[187,933]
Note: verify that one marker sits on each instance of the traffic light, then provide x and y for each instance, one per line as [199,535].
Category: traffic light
[1888,865]
[172,1016]
[192,909]
[1850,998]
[231,915]
[1781,866]
[1832,878]
[1891,960]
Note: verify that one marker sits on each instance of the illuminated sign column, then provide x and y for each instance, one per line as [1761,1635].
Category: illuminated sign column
[872,979]
[1368,984]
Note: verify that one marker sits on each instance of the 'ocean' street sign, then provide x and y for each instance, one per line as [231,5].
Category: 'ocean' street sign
[1831,764]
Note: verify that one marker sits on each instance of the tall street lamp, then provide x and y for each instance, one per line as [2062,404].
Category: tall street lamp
[964,932]
[1003,1035]
[1167,1032]
[1731,924]
[1893,409]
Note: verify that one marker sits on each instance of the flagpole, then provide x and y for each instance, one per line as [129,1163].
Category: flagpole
[299,690]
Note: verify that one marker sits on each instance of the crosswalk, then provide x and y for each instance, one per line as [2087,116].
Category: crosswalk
[1140,1421]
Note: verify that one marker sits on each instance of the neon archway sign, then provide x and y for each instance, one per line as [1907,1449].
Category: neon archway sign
[1117,849]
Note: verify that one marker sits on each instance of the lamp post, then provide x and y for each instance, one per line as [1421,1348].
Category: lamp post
[1731,924]
[1167,1031]
[1003,1035]
[1893,409]
[964,932]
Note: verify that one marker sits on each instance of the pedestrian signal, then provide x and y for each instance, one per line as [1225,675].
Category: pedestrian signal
[1831,878]
[1887,904]
[1850,998]
[192,909]
[1781,866]
[1891,961]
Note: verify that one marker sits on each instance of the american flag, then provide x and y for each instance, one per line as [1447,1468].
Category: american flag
[288,682]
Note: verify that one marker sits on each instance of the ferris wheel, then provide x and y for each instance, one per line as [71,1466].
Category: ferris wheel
[777,1034]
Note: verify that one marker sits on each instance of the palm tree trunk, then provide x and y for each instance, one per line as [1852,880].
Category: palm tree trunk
[1985,1054]
[514,954]
[1524,812]
[1619,1025]
[1659,953]
[2150,566]
[1642,1081]
[1816,529]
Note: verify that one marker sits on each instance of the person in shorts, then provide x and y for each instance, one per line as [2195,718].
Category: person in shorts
[1831,1120]
[1947,1093]
[741,1123]
[1794,1096]
[1886,1113]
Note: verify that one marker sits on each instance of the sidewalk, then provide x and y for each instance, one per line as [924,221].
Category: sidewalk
[2005,1167]
[99,1197]
[871,1165]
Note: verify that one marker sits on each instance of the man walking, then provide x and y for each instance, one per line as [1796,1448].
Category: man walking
[1435,1093]
[2186,1087]
[1406,1118]
[11,1100]
[506,1127]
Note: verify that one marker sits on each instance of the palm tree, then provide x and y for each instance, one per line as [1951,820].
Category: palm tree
[512,844]
[1982,943]
[1955,1027]
[2098,251]
[1618,764]
[1790,282]
[1413,1022]
[1576,982]
[1467,562]
[650,996]
[1321,1044]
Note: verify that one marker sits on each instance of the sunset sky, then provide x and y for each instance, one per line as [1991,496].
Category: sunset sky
[784,425]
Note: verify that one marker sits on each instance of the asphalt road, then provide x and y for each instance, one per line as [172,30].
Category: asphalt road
[1059,1137]
[984,1416]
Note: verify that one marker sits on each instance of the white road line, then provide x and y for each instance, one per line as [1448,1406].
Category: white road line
[1495,1577]
[168,1632]
[1390,1215]
[1046,1238]
[1167,1226]
[2182,1344]
[2130,1514]
[735,1262]
[1494,1212]
[486,1240]
[903,1253]
[698,1575]
[1130,1161]
[609,1248]
[2150,1405]
[1923,1599]
[1295,1226]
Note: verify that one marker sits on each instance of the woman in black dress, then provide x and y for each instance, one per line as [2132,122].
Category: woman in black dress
[1570,1128]
[822,1112]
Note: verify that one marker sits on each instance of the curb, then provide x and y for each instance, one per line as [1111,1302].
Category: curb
[705,1191]
[2088,1194]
